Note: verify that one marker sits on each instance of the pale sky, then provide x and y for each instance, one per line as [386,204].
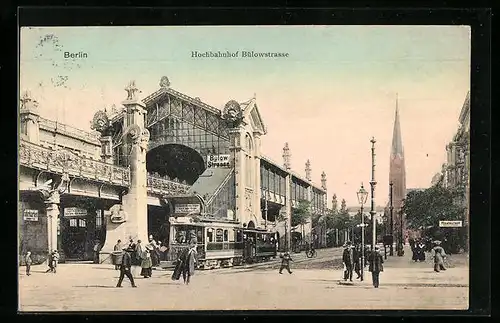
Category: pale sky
[334,92]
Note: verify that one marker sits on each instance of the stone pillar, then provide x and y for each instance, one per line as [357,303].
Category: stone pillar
[288,194]
[134,202]
[52,209]
[29,118]
[256,173]
[236,136]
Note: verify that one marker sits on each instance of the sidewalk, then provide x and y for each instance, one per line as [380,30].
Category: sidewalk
[403,271]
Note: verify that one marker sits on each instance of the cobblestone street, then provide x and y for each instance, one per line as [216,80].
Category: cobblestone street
[87,287]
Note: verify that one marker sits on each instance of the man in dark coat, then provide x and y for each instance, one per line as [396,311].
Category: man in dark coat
[285,262]
[189,263]
[376,260]
[348,259]
[357,261]
[125,267]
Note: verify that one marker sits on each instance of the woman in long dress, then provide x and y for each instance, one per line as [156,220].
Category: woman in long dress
[146,263]
[439,255]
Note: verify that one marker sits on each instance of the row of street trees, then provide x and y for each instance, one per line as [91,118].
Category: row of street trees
[336,224]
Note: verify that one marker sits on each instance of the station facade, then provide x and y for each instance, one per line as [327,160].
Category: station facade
[168,157]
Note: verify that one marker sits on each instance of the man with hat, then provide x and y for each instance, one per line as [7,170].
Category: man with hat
[189,262]
[376,260]
[125,267]
[348,259]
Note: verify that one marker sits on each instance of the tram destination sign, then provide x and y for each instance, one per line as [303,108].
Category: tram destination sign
[187,208]
[218,161]
[30,215]
[450,224]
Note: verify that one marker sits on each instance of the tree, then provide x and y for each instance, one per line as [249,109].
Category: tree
[301,215]
[424,209]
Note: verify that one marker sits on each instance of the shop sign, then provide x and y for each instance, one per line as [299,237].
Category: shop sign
[218,161]
[75,212]
[187,208]
[30,215]
[450,224]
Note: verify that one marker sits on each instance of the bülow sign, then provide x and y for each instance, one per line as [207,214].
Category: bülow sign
[450,224]
[218,161]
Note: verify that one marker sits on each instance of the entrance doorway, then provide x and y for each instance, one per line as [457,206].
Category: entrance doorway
[158,224]
[82,225]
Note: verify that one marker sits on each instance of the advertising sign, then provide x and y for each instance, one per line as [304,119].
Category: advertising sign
[450,224]
[30,215]
[218,161]
[187,208]
[75,212]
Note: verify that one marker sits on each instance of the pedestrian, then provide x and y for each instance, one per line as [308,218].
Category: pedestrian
[439,255]
[28,261]
[414,250]
[357,261]
[421,251]
[50,263]
[155,255]
[125,267]
[348,260]
[146,263]
[137,256]
[55,260]
[376,266]
[190,263]
[97,247]
[118,247]
[285,262]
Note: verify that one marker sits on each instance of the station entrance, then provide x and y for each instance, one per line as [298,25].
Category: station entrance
[81,227]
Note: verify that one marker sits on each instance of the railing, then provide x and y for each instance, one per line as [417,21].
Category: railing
[63,161]
[68,130]
[164,186]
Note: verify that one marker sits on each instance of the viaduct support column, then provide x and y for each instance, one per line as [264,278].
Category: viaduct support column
[52,209]
[130,221]
[238,161]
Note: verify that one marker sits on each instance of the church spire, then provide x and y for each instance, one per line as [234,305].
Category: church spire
[397,141]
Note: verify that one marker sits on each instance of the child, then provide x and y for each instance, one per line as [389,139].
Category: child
[55,259]
[285,262]
[28,261]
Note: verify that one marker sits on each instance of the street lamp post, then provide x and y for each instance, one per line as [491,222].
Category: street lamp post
[362,196]
[391,208]
[372,189]
[401,247]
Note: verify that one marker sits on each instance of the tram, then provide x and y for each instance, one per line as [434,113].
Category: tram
[220,243]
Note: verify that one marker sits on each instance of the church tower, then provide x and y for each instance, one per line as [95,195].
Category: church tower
[397,173]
